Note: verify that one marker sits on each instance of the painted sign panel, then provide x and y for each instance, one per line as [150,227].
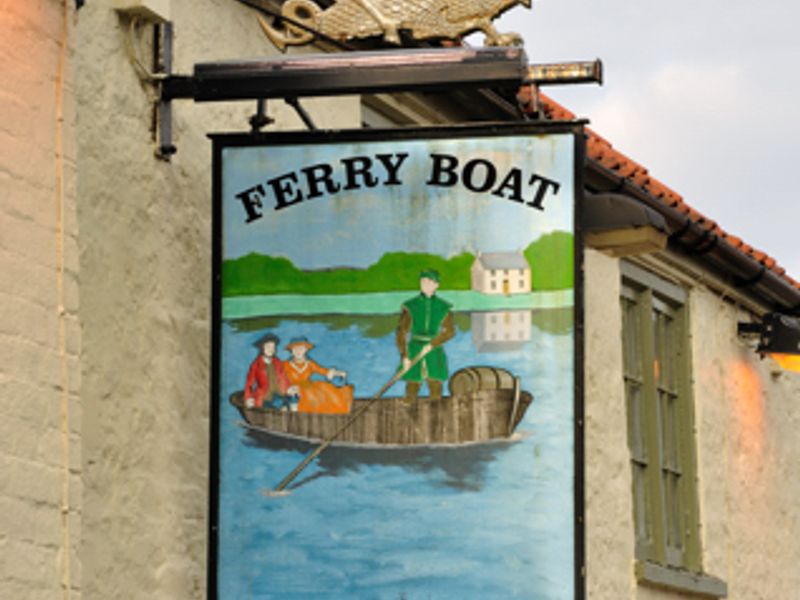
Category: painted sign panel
[394,399]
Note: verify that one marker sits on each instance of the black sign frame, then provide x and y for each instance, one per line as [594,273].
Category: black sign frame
[222,141]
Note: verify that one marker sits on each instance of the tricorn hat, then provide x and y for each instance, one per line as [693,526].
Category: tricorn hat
[299,341]
[267,337]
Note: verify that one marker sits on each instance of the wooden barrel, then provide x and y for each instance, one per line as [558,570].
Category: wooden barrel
[473,379]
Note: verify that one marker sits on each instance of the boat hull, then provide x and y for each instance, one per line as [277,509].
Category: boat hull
[470,418]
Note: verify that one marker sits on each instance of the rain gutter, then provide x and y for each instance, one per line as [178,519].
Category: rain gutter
[703,244]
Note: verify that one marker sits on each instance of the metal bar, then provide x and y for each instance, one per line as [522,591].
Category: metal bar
[165,146]
[433,69]
[302,113]
[178,86]
[260,119]
[749,328]
[564,73]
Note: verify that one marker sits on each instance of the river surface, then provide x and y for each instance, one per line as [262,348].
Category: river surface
[491,521]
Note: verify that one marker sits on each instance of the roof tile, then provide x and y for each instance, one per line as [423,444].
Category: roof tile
[733,240]
[640,177]
[600,150]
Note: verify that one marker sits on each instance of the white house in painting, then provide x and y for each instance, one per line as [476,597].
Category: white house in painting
[501,273]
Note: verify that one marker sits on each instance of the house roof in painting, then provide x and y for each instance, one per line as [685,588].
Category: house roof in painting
[502,260]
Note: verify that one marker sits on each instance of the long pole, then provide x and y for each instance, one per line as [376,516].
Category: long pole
[353,418]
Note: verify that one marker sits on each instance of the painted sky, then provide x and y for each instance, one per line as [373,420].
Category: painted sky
[703,94]
[356,228]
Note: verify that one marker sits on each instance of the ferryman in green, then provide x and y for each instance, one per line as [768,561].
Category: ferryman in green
[426,323]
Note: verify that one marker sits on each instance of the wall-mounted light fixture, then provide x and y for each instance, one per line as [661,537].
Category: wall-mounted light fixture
[779,337]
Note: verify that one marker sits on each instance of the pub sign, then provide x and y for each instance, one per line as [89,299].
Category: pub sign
[396,380]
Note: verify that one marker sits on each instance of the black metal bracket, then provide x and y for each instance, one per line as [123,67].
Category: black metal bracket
[165,146]
[301,112]
[415,70]
[260,119]
[747,329]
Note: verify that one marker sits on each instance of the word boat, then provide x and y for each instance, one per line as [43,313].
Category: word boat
[485,405]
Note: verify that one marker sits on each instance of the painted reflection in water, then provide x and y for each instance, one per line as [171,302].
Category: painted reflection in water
[462,468]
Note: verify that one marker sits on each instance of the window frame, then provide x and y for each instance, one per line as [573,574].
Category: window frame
[651,295]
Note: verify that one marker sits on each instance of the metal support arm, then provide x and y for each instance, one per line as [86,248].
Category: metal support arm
[414,70]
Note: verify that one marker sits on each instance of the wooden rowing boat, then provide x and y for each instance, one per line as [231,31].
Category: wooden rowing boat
[469,415]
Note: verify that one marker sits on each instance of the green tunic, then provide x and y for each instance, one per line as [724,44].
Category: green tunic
[425,320]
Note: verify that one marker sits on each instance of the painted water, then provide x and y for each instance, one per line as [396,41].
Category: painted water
[486,521]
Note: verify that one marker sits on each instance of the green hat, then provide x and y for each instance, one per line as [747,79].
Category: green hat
[430,274]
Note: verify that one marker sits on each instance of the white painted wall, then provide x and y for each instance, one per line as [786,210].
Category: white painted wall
[40,339]
[747,414]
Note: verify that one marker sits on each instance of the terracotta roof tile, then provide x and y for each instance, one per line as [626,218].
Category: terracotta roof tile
[596,148]
[600,150]
[627,167]
[640,177]
[596,137]
[657,189]
[553,110]
[733,240]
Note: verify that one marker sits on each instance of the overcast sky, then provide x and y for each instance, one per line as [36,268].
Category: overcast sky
[704,93]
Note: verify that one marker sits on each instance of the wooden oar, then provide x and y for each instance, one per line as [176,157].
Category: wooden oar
[280,488]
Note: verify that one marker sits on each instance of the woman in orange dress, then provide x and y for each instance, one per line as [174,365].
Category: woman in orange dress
[316,396]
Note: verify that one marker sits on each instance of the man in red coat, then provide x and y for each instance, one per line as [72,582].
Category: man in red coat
[267,384]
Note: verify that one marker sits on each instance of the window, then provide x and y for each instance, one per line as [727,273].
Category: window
[659,406]
[656,371]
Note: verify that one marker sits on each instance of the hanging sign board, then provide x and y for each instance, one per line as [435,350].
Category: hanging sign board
[396,380]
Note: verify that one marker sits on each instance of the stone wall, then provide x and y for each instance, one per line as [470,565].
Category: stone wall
[746,419]
[40,437]
[145,252]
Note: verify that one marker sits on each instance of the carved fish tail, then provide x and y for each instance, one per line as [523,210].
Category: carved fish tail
[304,12]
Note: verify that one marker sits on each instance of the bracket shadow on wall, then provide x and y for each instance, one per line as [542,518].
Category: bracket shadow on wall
[418,69]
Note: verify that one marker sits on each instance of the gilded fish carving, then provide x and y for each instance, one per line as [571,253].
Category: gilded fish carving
[421,19]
